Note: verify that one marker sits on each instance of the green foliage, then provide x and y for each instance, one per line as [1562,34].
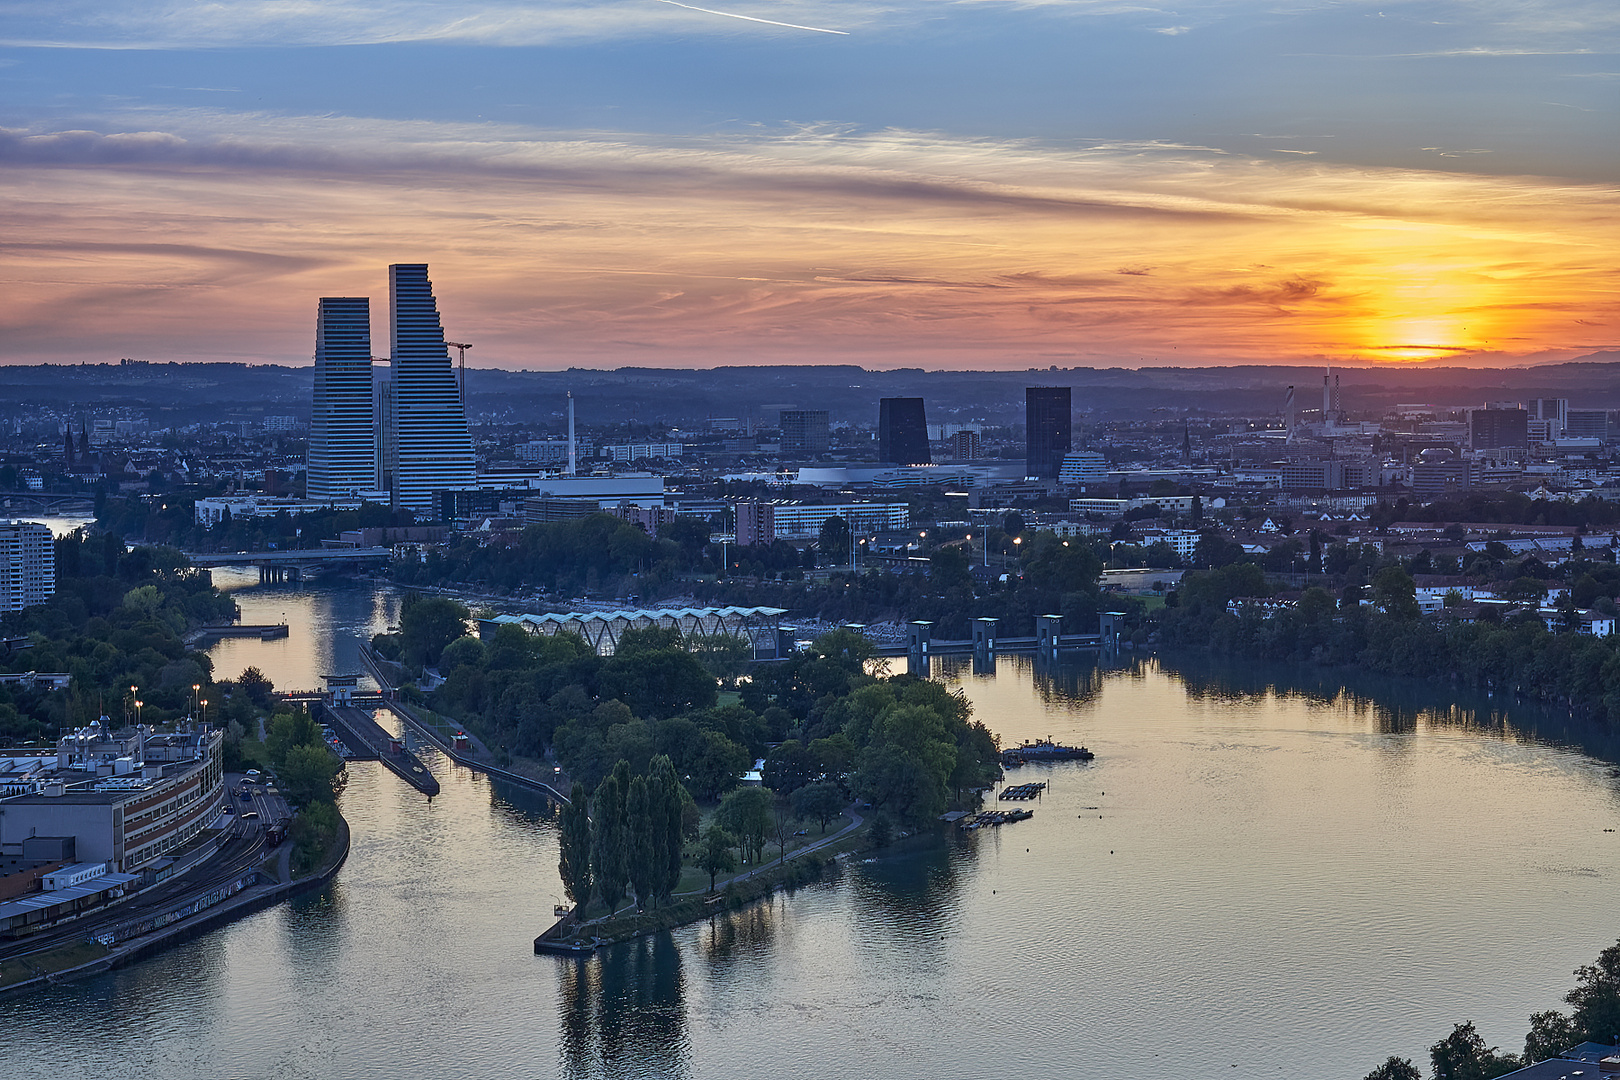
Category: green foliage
[716,857]
[1550,1034]
[746,814]
[574,846]
[819,802]
[427,624]
[609,840]
[1463,1055]
[1396,1068]
[111,631]
[313,832]
[1595,1001]
[310,774]
[833,541]
[643,832]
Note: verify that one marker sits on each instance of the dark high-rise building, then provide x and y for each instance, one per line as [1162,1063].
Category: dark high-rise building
[342,439]
[1049,429]
[965,445]
[432,449]
[903,431]
[805,431]
[1498,429]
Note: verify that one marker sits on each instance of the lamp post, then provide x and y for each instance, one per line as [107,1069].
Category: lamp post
[196,688]
[204,711]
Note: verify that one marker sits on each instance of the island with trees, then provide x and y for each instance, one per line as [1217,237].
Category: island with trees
[657,753]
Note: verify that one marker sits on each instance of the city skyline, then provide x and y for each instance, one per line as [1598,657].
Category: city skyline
[971,186]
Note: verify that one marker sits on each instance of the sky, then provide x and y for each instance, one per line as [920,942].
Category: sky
[902,183]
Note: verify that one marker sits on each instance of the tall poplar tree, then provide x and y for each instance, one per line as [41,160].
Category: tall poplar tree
[608,840]
[669,798]
[574,844]
[643,861]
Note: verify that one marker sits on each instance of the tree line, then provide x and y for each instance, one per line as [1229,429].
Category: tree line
[1594,1016]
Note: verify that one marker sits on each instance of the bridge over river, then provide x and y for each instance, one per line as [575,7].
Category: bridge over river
[277,566]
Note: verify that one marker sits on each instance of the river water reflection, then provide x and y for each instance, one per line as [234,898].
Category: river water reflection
[1292,883]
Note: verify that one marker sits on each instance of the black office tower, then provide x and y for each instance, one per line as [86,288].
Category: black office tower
[1049,429]
[903,431]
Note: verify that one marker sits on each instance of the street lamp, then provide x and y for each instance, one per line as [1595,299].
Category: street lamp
[204,716]
[137,712]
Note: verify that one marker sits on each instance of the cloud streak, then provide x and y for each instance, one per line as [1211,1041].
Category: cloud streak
[750,18]
[888,248]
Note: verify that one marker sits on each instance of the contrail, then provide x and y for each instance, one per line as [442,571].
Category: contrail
[750,18]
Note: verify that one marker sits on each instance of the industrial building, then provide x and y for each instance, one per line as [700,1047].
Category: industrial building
[127,799]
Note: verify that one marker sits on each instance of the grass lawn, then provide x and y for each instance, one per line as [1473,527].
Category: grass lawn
[1151,602]
[81,952]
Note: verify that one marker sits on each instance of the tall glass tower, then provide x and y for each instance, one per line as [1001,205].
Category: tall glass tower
[432,449]
[342,458]
[903,431]
[1049,429]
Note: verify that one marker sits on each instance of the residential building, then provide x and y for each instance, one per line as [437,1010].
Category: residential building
[433,449]
[903,431]
[805,432]
[756,523]
[1049,428]
[27,564]
[965,445]
[799,521]
[342,457]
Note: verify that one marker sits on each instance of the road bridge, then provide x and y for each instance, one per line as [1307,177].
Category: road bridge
[279,566]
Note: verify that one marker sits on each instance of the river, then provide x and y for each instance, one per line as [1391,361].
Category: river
[1250,881]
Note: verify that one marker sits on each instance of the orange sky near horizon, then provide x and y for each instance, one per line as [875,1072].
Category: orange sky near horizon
[214,237]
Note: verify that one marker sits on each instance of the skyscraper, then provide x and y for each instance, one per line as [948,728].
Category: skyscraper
[1048,429]
[903,431]
[342,455]
[432,447]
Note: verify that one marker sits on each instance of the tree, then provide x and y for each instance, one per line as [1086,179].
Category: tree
[1396,592]
[1595,1000]
[309,775]
[716,857]
[819,802]
[427,625]
[1463,1055]
[670,800]
[716,765]
[289,730]
[608,854]
[782,822]
[833,543]
[746,814]
[643,863]
[574,847]
[1396,1068]
[1551,1033]
[256,686]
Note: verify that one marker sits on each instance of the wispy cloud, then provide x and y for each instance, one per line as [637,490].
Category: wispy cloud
[890,247]
[1497,27]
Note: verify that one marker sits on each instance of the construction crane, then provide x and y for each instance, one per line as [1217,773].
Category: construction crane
[461,379]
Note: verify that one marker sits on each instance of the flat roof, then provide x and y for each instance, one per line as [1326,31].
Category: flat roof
[37,901]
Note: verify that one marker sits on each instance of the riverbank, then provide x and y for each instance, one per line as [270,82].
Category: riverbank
[85,959]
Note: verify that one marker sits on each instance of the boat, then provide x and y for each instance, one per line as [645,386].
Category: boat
[1045,750]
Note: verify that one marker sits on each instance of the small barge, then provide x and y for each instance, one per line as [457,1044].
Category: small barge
[1043,750]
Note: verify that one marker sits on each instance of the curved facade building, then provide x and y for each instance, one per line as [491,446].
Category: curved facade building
[430,448]
[342,429]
